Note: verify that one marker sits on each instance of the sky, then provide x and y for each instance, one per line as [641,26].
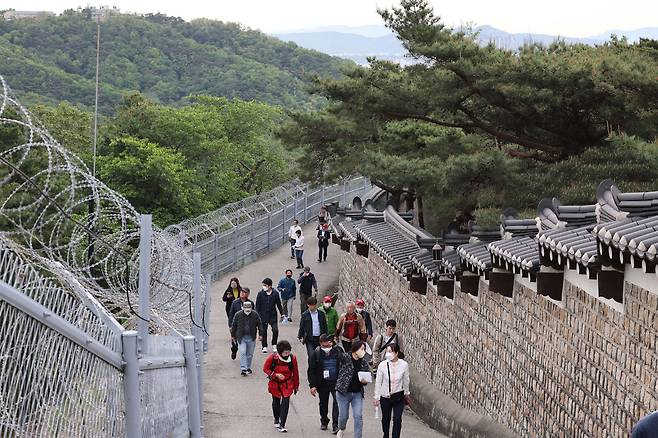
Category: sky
[576,18]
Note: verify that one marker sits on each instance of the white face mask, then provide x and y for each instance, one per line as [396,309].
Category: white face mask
[247,311]
[389,355]
[359,309]
[265,288]
[327,305]
[285,359]
[326,349]
[360,353]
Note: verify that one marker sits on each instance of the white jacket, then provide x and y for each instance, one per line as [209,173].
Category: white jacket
[399,378]
[292,232]
[299,243]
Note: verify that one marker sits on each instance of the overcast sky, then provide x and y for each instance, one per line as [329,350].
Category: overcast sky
[576,18]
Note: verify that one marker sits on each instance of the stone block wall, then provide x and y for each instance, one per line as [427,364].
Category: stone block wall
[539,369]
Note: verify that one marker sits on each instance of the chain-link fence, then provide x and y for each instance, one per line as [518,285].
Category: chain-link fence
[238,233]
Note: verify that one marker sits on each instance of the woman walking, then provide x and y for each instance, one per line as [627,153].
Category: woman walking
[283,374]
[392,389]
[352,377]
[231,294]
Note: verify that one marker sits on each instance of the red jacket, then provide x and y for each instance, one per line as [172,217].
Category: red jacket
[290,382]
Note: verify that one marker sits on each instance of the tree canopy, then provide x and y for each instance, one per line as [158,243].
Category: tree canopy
[471,127]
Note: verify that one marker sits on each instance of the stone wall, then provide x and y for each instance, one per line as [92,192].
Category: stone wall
[535,367]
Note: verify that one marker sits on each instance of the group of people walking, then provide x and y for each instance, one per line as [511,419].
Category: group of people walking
[342,354]
[296,238]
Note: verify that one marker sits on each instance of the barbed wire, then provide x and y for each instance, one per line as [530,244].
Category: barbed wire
[53,207]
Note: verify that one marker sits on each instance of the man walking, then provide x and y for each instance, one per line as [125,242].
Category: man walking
[288,289]
[307,285]
[323,242]
[237,304]
[267,303]
[292,236]
[361,310]
[331,314]
[322,376]
[351,327]
[312,325]
[245,324]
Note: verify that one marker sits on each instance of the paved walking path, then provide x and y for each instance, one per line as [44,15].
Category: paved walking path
[240,407]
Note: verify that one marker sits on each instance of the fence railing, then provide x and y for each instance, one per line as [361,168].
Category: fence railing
[236,234]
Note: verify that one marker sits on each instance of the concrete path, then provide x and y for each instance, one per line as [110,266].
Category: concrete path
[240,407]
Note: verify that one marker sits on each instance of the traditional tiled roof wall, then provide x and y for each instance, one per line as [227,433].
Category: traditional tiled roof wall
[519,254]
[518,227]
[475,257]
[572,246]
[387,241]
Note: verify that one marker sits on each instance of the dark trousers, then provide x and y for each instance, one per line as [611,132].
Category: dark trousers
[312,344]
[292,249]
[347,345]
[323,394]
[303,306]
[322,255]
[280,409]
[396,409]
[275,332]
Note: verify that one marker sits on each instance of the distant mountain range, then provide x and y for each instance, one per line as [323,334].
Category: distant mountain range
[357,43]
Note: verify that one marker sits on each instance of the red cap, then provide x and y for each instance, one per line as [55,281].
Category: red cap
[360,302]
[327,299]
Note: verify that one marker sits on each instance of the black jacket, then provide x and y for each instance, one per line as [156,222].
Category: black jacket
[368,321]
[323,237]
[235,308]
[307,283]
[228,298]
[266,306]
[316,367]
[306,326]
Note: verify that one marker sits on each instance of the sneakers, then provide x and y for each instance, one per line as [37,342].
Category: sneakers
[289,319]
[340,434]
[283,430]
[249,371]
[334,431]
[264,350]
[292,257]
[319,260]
[243,373]
[323,427]
[277,425]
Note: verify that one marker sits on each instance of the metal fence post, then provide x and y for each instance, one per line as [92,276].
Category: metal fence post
[269,230]
[131,391]
[196,330]
[305,204]
[235,246]
[193,409]
[251,237]
[145,233]
[294,208]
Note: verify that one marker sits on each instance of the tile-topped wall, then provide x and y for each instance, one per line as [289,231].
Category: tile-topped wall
[583,369]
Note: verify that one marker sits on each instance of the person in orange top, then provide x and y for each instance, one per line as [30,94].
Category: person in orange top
[283,374]
[351,327]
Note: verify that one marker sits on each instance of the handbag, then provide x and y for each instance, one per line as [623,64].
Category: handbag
[395,397]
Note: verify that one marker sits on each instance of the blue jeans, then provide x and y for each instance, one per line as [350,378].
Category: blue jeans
[299,253]
[246,348]
[344,401]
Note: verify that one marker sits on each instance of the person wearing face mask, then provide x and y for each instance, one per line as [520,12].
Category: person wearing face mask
[231,294]
[288,289]
[392,389]
[283,375]
[382,341]
[245,324]
[350,327]
[331,315]
[322,376]
[349,388]
[267,303]
[361,310]
[312,325]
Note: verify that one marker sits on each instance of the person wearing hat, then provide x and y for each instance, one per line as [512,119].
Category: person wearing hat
[331,315]
[323,242]
[322,376]
[246,323]
[361,310]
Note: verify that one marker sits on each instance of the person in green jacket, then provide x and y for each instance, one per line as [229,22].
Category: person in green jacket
[331,314]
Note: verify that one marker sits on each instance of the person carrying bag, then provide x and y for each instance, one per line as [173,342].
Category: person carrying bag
[392,390]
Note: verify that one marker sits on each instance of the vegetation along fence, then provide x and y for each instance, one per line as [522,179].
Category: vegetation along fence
[237,233]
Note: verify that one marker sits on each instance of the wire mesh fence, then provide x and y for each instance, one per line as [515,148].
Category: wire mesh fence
[238,233]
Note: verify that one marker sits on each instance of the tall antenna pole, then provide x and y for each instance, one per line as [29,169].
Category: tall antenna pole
[98,58]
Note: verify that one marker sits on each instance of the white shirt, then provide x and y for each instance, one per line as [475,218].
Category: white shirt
[292,232]
[399,378]
[299,243]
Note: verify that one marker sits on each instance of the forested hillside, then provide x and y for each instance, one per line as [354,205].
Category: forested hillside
[165,58]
